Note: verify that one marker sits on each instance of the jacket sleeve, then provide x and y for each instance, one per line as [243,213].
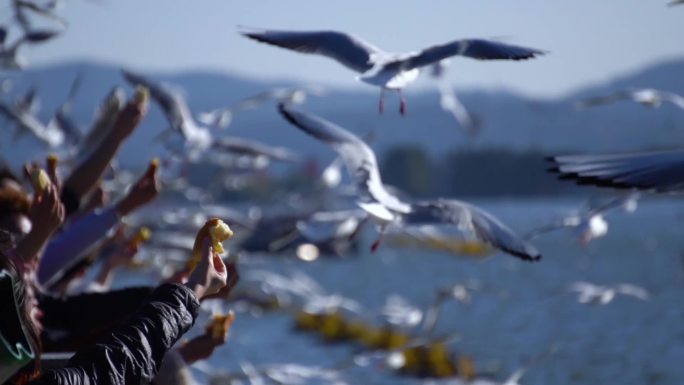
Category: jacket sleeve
[81,235]
[133,353]
[71,321]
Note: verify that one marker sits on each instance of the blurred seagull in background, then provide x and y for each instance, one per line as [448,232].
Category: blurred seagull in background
[9,54]
[590,224]
[63,120]
[26,122]
[195,138]
[386,209]
[589,293]
[450,102]
[389,71]
[675,2]
[647,97]
[222,117]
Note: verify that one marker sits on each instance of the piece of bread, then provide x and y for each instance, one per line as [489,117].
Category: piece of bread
[141,97]
[218,231]
[40,180]
[220,325]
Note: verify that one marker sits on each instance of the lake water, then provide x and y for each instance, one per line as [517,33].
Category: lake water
[522,311]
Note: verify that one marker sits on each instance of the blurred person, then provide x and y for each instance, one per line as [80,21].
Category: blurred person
[69,246]
[86,176]
[134,351]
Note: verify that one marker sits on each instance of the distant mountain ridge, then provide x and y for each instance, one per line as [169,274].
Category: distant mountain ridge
[510,121]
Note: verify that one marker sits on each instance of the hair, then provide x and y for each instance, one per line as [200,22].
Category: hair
[6,173]
[31,370]
[13,201]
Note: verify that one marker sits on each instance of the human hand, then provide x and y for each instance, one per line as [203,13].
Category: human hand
[51,163]
[199,348]
[210,275]
[47,212]
[233,279]
[129,118]
[123,256]
[142,192]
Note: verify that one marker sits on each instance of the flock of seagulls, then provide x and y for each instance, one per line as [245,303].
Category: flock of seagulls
[196,138]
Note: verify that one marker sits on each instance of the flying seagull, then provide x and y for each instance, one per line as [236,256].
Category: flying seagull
[386,209]
[450,102]
[26,122]
[9,56]
[389,71]
[647,97]
[657,171]
[588,293]
[221,118]
[590,224]
[195,138]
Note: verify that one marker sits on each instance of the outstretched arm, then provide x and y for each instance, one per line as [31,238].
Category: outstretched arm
[87,175]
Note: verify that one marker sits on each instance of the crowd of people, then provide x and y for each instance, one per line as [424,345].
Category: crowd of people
[50,235]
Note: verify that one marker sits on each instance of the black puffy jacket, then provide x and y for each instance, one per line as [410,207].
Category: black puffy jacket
[76,321]
[132,353]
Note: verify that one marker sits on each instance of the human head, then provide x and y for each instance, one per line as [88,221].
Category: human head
[14,210]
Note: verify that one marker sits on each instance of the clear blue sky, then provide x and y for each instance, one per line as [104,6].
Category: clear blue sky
[588,40]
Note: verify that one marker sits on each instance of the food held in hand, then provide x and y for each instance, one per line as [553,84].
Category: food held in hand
[220,325]
[52,161]
[141,96]
[142,235]
[154,164]
[218,231]
[40,180]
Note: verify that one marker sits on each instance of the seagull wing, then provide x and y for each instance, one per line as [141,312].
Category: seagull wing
[172,103]
[634,291]
[450,103]
[673,98]
[468,217]
[605,99]
[616,202]
[348,50]
[660,171]
[473,48]
[252,148]
[358,157]
[556,225]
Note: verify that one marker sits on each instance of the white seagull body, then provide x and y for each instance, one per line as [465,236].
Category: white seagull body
[386,208]
[389,71]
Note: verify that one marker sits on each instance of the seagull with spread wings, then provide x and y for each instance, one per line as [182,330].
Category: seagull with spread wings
[26,122]
[221,118]
[590,224]
[389,71]
[589,293]
[386,209]
[195,138]
[647,97]
[9,54]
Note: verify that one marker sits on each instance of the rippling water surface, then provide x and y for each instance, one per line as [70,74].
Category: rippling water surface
[522,310]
